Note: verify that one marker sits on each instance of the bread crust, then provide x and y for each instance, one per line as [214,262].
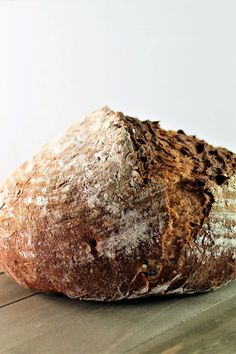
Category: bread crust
[118,208]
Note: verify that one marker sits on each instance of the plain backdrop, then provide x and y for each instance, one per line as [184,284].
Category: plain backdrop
[167,60]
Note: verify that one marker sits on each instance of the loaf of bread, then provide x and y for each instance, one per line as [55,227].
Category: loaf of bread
[119,208]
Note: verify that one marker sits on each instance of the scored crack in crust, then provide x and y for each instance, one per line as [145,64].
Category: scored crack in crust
[118,208]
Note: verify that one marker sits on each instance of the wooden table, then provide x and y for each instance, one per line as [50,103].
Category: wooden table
[37,323]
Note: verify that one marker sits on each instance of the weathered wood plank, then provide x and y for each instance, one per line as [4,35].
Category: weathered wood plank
[213,331]
[54,318]
[189,307]
[49,323]
[11,292]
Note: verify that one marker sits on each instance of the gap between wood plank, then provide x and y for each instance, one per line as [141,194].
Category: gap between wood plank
[18,300]
[176,325]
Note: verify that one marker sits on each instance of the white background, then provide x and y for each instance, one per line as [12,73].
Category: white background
[168,60]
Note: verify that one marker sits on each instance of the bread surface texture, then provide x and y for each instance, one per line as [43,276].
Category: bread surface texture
[120,208]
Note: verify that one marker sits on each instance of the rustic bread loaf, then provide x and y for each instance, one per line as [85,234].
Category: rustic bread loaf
[118,208]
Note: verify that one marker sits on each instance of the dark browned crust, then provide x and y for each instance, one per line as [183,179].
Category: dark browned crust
[183,166]
[186,164]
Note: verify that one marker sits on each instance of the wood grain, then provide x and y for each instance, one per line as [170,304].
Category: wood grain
[56,324]
[11,292]
[211,332]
